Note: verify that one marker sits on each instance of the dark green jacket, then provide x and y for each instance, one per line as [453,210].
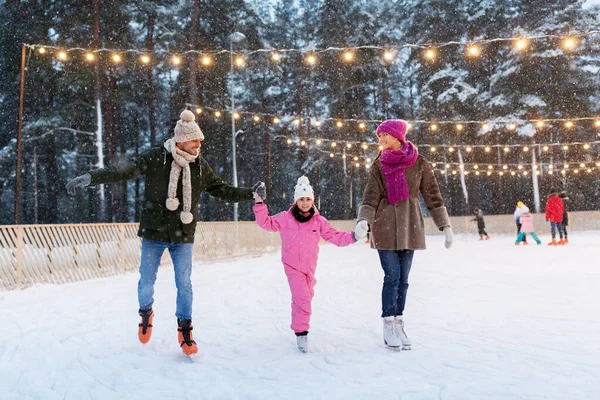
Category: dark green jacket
[158,222]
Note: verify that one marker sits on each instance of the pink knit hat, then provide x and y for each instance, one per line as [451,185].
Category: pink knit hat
[395,127]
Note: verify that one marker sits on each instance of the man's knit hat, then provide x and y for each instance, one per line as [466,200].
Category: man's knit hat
[187,129]
[303,189]
[395,127]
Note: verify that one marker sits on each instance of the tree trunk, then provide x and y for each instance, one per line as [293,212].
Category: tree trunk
[193,58]
[150,47]
[100,212]
[136,217]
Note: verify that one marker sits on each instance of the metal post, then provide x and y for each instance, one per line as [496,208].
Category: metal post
[19,135]
[237,37]
[534,179]
[233,155]
[19,256]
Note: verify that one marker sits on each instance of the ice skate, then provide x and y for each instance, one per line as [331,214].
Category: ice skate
[399,322]
[185,338]
[390,338]
[302,341]
[145,325]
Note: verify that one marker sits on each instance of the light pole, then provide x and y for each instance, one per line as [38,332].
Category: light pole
[234,37]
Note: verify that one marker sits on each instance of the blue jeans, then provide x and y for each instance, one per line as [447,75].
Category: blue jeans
[181,254]
[396,267]
[553,226]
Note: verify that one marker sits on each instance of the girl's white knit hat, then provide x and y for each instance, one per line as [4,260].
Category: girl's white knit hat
[187,129]
[303,189]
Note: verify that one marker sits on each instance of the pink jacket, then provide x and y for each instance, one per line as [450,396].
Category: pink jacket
[527,222]
[300,241]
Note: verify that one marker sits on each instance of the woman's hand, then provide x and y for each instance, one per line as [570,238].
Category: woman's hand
[449,237]
[361,229]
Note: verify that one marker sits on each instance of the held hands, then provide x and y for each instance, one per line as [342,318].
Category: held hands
[259,192]
[449,237]
[361,229]
[79,182]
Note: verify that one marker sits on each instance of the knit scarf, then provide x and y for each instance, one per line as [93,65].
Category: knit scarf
[181,162]
[302,216]
[393,165]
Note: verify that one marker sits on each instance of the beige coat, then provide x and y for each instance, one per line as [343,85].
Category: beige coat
[401,226]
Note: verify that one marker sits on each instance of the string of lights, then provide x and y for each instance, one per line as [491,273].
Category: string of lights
[433,148]
[474,167]
[522,173]
[362,124]
[473,49]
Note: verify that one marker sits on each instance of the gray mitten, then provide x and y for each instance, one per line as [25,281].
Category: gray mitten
[259,191]
[79,182]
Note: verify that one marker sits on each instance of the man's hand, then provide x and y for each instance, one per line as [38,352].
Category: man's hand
[259,191]
[79,182]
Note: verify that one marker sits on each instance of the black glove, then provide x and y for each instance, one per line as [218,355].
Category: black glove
[79,182]
[260,190]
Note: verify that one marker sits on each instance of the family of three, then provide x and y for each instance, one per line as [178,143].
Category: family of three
[176,174]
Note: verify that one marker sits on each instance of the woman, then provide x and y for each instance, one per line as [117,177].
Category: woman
[391,208]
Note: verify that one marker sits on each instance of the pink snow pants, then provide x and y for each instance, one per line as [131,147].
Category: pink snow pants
[301,286]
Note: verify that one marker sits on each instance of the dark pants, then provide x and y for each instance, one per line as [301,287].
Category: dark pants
[565,231]
[396,267]
[482,232]
[519,231]
[554,226]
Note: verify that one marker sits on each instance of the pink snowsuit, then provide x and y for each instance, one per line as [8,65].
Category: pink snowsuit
[299,253]
[527,222]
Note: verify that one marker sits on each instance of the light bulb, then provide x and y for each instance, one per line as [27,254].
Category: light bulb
[206,60]
[521,44]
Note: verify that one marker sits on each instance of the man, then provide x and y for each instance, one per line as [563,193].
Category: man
[554,214]
[175,174]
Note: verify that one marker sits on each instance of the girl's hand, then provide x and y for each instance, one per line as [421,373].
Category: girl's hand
[259,192]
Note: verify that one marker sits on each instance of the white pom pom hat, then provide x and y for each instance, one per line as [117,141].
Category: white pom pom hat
[187,129]
[303,189]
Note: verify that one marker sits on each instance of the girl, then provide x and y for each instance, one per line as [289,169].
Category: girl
[301,228]
[391,207]
[527,227]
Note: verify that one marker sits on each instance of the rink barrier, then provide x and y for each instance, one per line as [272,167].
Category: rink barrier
[57,254]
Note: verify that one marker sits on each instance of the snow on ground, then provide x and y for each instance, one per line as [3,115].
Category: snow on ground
[488,320]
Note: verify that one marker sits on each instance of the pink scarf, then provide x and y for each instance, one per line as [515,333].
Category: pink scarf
[393,165]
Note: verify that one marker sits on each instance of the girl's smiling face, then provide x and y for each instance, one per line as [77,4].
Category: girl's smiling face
[305,203]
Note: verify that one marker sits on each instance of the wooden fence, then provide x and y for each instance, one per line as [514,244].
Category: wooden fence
[31,254]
